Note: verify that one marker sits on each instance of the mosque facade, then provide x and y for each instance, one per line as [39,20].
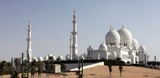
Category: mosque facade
[117,44]
[120,44]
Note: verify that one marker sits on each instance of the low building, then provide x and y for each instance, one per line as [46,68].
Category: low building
[54,68]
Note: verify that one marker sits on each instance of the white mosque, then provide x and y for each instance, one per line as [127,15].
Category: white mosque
[121,44]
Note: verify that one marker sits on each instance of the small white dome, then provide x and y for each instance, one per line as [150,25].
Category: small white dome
[60,57]
[40,59]
[46,58]
[134,43]
[82,57]
[34,58]
[112,36]
[50,55]
[67,57]
[142,49]
[103,46]
[85,55]
[125,35]
[54,58]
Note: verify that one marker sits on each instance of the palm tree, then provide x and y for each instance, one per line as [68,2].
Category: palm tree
[3,66]
[1,70]
[63,69]
[33,68]
[47,67]
[14,73]
[51,65]
[110,68]
[109,64]
[120,63]
[1,73]
[118,59]
[120,70]
[17,62]
[24,68]
[40,68]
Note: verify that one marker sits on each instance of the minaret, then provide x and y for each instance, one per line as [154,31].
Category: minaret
[74,34]
[29,50]
[70,46]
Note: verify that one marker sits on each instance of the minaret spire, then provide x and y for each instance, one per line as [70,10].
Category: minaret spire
[29,41]
[74,35]
[122,26]
[111,28]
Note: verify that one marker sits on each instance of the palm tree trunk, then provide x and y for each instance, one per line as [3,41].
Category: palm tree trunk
[32,76]
[46,75]
[39,75]
[120,74]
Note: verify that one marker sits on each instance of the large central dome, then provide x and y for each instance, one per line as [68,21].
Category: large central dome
[126,36]
[112,36]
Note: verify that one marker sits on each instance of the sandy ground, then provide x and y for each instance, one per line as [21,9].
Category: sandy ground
[103,72]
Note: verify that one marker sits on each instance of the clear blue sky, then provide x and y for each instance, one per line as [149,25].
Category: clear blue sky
[52,23]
